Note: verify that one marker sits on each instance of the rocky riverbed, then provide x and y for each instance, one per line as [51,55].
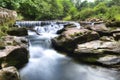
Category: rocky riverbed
[97,44]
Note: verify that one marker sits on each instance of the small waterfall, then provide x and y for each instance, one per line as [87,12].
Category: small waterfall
[52,28]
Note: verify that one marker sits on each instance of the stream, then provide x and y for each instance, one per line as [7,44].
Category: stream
[45,63]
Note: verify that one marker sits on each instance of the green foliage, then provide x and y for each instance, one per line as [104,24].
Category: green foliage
[86,13]
[113,13]
[3,30]
[64,9]
[67,18]
[11,4]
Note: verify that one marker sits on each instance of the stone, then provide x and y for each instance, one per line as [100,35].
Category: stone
[9,73]
[15,41]
[73,36]
[109,60]
[14,56]
[99,47]
[102,53]
[7,16]
[116,36]
[112,23]
[18,32]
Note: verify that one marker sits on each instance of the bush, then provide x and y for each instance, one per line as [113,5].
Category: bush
[113,13]
[85,13]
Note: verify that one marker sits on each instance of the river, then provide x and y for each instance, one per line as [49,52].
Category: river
[45,63]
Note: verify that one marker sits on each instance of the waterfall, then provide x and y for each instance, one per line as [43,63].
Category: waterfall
[45,63]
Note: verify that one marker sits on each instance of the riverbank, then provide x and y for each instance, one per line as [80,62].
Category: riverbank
[13,46]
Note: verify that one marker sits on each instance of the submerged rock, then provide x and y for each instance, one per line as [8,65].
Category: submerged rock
[9,73]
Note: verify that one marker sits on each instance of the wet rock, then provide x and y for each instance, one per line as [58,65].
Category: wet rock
[14,56]
[9,73]
[18,32]
[109,60]
[73,36]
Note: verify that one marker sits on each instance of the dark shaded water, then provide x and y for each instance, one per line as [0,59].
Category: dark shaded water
[47,64]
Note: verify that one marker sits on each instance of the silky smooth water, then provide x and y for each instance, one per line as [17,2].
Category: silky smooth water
[47,64]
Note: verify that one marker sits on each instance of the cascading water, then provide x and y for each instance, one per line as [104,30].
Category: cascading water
[47,64]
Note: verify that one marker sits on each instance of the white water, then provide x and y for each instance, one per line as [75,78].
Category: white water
[47,64]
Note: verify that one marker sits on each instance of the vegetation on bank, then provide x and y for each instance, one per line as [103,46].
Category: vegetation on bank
[64,9]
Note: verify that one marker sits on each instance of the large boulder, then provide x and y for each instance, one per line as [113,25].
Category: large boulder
[14,56]
[9,73]
[103,30]
[73,36]
[98,52]
[15,51]
[98,47]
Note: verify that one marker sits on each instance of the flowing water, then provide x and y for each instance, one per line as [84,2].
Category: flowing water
[47,64]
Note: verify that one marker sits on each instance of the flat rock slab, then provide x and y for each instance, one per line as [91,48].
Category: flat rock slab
[99,47]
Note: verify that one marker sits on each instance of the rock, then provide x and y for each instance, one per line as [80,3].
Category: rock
[18,32]
[109,60]
[66,27]
[103,30]
[69,25]
[7,16]
[73,36]
[113,23]
[9,73]
[99,47]
[94,20]
[14,56]
[15,41]
[116,36]
[107,38]
[99,27]
[97,52]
